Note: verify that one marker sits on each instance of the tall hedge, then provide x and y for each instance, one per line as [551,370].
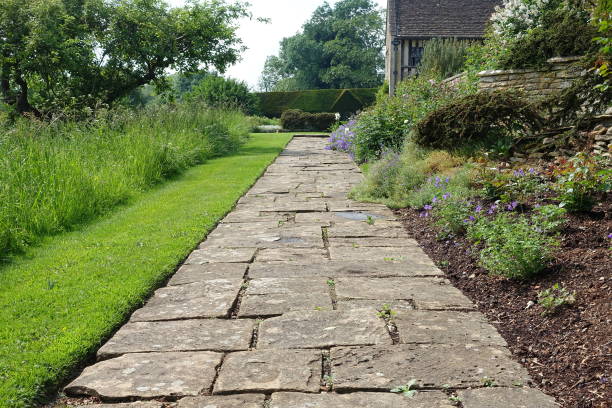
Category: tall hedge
[343,101]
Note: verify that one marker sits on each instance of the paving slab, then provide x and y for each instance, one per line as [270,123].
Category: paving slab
[213,298]
[221,255]
[270,371]
[224,401]
[426,293]
[304,255]
[395,305]
[409,254]
[506,398]
[434,399]
[148,375]
[322,329]
[180,335]
[275,296]
[444,327]
[363,229]
[433,366]
[138,404]
[200,273]
[374,242]
[332,269]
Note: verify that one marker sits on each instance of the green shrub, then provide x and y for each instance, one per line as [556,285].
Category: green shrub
[452,215]
[477,120]
[72,172]
[549,218]
[298,120]
[224,93]
[444,58]
[513,247]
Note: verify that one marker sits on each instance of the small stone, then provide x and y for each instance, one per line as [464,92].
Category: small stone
[322,329]
[434,399]
[226,401]
[507,398]
[270,371]
[181,335]
[148,375]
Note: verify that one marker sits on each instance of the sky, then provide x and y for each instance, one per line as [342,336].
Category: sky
[262,40]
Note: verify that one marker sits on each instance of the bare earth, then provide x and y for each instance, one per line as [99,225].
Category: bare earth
[283,306]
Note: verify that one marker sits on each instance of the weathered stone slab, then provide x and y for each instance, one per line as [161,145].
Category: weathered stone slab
[138,404]
[442,327]
[275,296]
[506,398]
[221,255]
[181,335]
[375,242]
[295,206]
[225,401]
[426,293]
[434,399]
[270,370]
[302,255]
[364,230]
[321,329]
[213,298]
[396,305]
[279,236]
[380,254]
[332,269]
[433,366]
[148,375]
[349,205]
[200,273]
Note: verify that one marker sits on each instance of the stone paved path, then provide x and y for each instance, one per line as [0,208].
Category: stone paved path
[283,306]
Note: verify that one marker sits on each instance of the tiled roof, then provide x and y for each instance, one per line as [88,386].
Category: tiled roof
[440,18]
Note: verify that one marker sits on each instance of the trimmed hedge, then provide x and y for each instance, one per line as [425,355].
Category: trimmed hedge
[343,101]
[295,119]
[475,119]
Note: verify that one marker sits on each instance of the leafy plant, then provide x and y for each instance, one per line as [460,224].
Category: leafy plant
[513,246]
[549,218]
[443,57]
[452,215]
[386,312]
[554,298]
[406,390]
[216,91]
[578,181]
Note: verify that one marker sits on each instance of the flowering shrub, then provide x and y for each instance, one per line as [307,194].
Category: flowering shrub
[343,138]
[510,185]
[515,18]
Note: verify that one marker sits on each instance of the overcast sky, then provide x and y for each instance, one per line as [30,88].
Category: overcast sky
[263,39]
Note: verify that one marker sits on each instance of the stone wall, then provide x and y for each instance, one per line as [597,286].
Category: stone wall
[559,75]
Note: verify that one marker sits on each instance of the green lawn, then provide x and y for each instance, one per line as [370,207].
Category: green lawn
[62,299]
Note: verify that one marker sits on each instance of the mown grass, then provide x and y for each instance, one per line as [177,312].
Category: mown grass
[61,299]
[56,176]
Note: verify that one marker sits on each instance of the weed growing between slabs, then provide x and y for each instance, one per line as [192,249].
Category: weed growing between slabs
[62,299]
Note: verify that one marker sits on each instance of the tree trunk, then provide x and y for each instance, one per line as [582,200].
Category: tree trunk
[22,104]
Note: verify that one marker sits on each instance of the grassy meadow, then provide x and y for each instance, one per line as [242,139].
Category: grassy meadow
[62,298]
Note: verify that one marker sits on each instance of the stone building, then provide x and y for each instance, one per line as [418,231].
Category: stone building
[411,23]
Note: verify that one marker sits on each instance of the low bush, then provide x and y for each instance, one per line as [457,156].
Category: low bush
[342,138]
[477,120]
[299,120]
[513,246]
[72,172]
[223,93]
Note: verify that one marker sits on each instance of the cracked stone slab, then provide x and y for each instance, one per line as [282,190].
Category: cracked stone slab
[332,269]
[281,235]
[321,329]
[181,335]
[433,366]
[295,207]
[148,375]
[221,255]
[506,398]
[225,401]
[200,273]
[275,296]
[434,399]
[426,293]
[396,305]
[138,404]
[303,255]
[375,242]
[364,230]
[444,327]
[349,205]
[270,371]
[213,298]
[410,254]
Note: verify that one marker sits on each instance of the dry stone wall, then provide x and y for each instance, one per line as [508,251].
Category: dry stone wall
[559,75]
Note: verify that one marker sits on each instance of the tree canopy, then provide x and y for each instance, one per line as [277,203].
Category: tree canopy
[58,54]
[339,47]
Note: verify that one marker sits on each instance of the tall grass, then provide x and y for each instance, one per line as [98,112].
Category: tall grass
[55,176]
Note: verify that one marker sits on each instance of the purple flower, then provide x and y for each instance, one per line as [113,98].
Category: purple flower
[424,214]
[478,209]
[532,171]
[428,207]
[609,236]
[512,206]
[447,180]
[434,200]
[446,196]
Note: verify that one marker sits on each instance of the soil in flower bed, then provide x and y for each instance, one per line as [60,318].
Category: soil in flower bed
[568,354]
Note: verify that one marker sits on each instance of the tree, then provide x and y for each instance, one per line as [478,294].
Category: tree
[339,47]
[217,91]
[59,53]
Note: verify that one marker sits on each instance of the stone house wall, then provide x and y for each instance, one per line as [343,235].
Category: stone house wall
[559,75]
